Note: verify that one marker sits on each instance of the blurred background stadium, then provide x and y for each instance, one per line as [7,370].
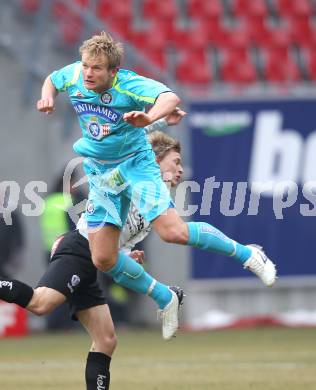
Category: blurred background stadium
[246,72]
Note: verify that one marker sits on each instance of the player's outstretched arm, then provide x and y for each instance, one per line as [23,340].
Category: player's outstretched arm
[164,105]
[47,102]
[175,117]
[170,120]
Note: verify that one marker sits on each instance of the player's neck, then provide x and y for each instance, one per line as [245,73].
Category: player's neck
[104,87]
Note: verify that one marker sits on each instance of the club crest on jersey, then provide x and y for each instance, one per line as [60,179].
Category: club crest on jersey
[105,129]
[106,98]
[90,207]
[94,130]
[98,131]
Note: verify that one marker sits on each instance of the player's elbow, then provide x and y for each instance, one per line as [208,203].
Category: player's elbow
[173,98]
[169,98]
[177,100]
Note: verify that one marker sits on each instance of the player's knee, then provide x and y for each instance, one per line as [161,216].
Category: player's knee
[107,343]
[104,262]
[112,341]
[42,302]
[41,308]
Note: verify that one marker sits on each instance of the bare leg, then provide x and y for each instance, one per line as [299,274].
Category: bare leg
[104,246]
[45,300]
[98,323]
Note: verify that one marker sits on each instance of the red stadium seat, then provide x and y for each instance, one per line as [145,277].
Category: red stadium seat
[152,44]
[280,69]
[141,70]
[70,22]
[147,39]
[166,9]
[237,67]
[239,39]
[162,26]
[120,27]
[256,28]
[82,3]
[61,10]
[310,61]
[257,8]
[193,56]
[117,15]
[121,9]
[195,38]
[301,29]
[193,68]
[200,9]
[279,40]
[292,7]
[216,34]
[186,74]
[156,55]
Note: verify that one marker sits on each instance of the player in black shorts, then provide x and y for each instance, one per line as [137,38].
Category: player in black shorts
[72,273]
[72,276]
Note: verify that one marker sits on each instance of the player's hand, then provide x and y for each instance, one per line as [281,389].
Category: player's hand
[139,256]
[46,105]
[175,117]
[137,118]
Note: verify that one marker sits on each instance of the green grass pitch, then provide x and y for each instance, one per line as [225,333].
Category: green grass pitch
[256,359]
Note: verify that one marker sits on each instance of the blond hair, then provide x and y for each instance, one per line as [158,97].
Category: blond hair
[163,143]
[104,44]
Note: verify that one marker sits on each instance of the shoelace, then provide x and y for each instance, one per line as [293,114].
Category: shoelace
[256,265]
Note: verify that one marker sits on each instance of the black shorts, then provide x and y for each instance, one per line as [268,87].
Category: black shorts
[72,273]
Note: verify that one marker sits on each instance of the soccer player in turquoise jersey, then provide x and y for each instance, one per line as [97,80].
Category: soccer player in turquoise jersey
[120,165]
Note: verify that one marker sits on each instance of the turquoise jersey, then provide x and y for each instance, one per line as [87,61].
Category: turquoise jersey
[105,135]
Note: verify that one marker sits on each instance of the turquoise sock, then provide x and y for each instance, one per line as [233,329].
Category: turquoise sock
[207,237]
[128,273]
